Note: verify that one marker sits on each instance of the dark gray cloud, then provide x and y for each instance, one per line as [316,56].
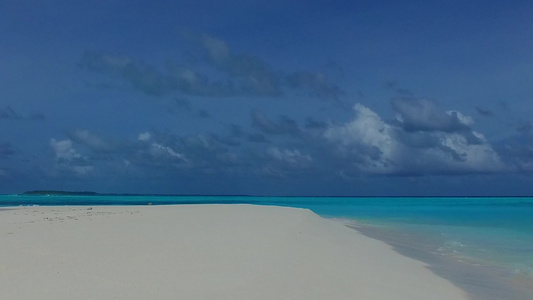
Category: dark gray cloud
[236,132]
[503,105]
[37,116]
[8,113]
[141,76]
[227,140]
[518,151]
[311,123]
[261,122]
[257,138]
[190,154]
[316,82]
[425,115]
[204,114]
[237,74]
[525,128]
[401,91]
[484,112]
[186,80]
[6,150]
[152,81]
[284,125]
[183,103]
[257,78]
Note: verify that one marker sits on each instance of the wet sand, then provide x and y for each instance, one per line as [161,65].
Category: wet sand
[481,282]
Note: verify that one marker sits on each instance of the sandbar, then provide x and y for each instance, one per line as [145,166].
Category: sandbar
[201,252]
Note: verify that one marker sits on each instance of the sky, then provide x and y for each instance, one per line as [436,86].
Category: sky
[311,98]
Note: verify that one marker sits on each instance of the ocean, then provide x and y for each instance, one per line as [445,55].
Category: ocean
[484,245]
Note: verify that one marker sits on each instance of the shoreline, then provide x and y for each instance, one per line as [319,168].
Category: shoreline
[479,280]
[201,252]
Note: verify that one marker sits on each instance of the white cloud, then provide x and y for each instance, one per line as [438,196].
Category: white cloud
[479,157]
[144,136]
[91,140]
[81,170]
[127,163]
[526,165]
[464,119]
[291,157]
[228,158]
[372,145]
[67,158]
[160,150]
[217,49]
[63,150]
[368,138]
[116,62]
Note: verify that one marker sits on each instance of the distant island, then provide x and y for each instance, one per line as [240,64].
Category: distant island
[60,193]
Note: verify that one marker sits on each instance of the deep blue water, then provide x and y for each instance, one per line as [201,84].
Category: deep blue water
[490,231]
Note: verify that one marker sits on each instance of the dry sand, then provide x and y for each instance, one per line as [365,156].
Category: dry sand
[200,252]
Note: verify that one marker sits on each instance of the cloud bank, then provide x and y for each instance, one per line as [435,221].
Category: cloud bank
[423,140]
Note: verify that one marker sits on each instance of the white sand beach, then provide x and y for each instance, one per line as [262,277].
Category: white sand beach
[201,252]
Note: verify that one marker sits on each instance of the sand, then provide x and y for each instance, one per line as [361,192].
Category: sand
[201,252]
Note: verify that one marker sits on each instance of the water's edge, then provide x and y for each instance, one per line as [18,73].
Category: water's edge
[480,282]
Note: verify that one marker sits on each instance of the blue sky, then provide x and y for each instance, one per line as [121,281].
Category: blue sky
[267,97]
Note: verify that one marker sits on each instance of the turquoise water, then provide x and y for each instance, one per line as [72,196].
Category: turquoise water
[494,232]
